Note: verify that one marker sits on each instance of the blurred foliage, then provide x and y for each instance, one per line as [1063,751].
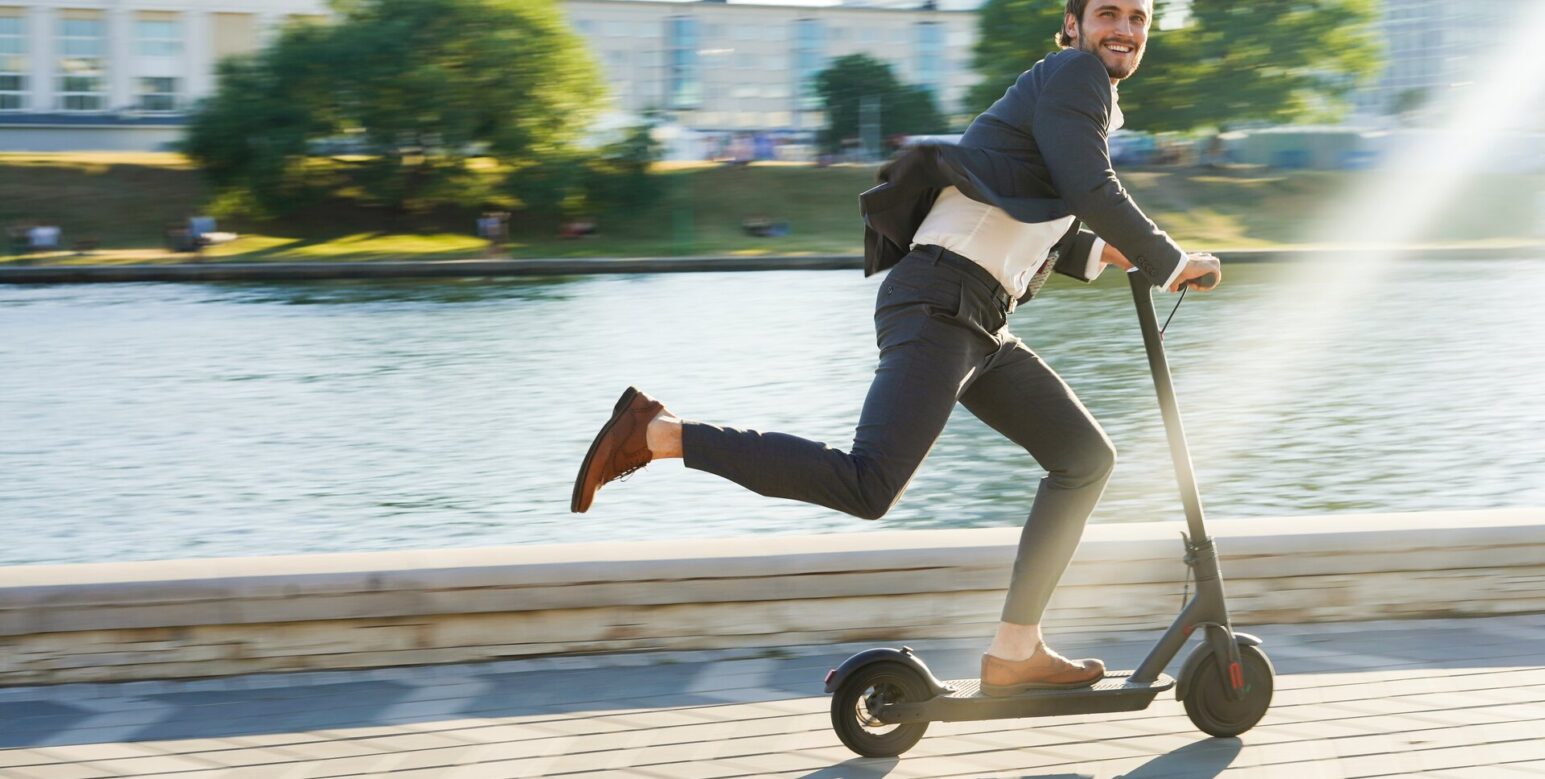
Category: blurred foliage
[574,182]
[403,104]
[1276,61]
[904,109]
[1012,35]
[617,177]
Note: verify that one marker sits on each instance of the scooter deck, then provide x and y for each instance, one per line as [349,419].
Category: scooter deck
[966,701]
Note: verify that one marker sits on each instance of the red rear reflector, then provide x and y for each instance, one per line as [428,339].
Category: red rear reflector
[829,675]
[1235,676]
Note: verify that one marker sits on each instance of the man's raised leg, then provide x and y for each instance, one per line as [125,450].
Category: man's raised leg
[926,361]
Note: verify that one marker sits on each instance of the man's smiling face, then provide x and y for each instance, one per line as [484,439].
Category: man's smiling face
[1116,31]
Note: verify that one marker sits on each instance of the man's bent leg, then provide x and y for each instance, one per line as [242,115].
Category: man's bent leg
[1022,398]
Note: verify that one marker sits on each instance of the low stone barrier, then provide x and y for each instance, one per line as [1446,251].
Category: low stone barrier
[187,618]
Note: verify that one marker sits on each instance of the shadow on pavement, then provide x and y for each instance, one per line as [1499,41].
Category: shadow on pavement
[857,768]
[1200,760]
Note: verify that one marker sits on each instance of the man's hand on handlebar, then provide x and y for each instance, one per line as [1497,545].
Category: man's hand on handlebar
[1202,272]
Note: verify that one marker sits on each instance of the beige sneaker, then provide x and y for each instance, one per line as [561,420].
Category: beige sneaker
[1044,670]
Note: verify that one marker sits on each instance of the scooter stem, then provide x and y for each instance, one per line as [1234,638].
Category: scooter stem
[1190,495]
[1208,608]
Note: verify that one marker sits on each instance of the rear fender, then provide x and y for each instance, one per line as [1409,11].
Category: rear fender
[904,656]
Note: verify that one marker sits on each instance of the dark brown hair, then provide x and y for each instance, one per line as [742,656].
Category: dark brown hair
[1076,8]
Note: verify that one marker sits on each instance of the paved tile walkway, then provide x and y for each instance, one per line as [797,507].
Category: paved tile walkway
[1463,699]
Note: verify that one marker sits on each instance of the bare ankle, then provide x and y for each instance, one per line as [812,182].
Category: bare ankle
[663,435]
[1015,642]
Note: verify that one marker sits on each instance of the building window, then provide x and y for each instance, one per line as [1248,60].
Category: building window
[158,37]
[809,58]
[684,87]
[930,56]
[158,94]
[82,46]
[13,60]
[234,33]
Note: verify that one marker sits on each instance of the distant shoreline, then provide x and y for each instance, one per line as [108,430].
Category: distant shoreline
[393,269]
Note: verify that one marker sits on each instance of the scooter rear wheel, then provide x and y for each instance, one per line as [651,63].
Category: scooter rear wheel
[862,694]
[1207,702]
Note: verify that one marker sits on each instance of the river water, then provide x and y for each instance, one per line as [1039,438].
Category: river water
[150,421]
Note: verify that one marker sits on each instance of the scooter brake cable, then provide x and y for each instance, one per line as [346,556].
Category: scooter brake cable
[1185,595]
[1172,311]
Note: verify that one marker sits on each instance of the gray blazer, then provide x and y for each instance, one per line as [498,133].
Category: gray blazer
[1039,153]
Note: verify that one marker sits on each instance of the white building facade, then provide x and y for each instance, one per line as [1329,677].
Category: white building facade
[722,67]
[1433,46]
[121,74]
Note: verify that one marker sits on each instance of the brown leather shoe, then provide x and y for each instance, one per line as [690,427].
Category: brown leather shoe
[1044,670]
[619,449]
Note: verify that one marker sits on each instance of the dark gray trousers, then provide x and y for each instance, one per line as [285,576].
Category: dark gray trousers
[939,322]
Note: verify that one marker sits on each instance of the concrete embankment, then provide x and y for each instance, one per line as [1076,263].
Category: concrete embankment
[213,617]
[311,271]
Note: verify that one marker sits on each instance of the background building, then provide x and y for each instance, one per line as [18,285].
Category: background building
[120,74]
[1432,46]
[726,68]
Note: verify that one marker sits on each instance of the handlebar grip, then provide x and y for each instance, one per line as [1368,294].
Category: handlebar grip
[1203,282]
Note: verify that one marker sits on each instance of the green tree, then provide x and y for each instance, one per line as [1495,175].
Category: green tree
[1266,60]
[617,176]
[845,84]
[1011,36]
[1279,61]
[405,104]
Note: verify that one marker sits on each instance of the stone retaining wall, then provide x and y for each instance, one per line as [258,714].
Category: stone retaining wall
[187,618]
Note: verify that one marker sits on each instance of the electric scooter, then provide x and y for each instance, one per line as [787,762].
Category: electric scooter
[883,699]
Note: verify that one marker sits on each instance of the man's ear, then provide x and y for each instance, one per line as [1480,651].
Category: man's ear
[1070,27]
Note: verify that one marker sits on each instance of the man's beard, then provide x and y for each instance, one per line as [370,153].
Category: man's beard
[1120,71]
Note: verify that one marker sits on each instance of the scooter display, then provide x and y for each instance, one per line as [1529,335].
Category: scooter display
[883,699]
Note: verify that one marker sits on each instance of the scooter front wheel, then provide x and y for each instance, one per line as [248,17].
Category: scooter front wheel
[1207,702]
[861,695]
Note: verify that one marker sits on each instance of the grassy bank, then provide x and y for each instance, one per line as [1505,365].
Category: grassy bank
[122,202]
